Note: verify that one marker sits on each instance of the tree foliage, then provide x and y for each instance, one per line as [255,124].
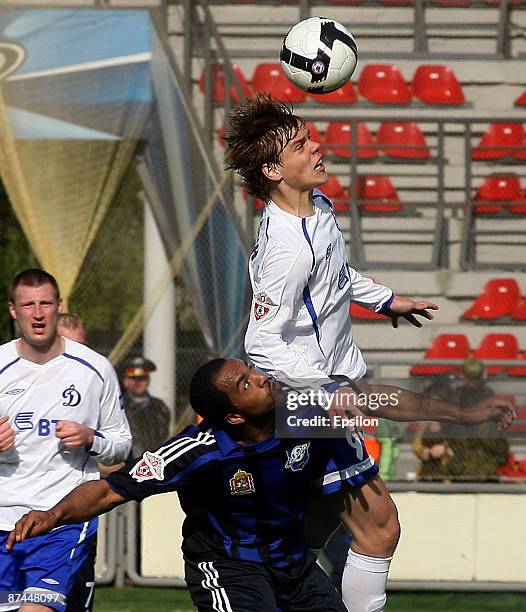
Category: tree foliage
[15,255]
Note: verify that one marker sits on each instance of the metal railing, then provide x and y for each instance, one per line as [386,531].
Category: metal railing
[425,22]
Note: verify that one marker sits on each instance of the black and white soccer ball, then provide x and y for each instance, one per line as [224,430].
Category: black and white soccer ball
[319,55]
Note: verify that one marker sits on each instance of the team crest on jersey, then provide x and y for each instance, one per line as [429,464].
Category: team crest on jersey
[297,457]
[242,483]
[262,305]
[343,277]
[150,467]
[72,396]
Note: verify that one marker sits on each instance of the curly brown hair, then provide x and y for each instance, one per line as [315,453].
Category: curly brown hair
[258,132]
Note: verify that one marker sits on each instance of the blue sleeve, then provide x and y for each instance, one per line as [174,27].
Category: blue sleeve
[171,467]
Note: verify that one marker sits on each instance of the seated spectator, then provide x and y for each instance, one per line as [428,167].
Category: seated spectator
[456,452]
[434,452]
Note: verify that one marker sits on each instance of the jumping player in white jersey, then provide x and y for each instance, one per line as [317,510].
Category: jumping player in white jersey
[60,415]
[300,329]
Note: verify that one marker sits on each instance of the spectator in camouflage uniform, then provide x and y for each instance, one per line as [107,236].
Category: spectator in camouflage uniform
[477,457]
[454,452]
[149,417]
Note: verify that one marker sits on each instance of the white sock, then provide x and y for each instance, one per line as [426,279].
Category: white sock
[363,582]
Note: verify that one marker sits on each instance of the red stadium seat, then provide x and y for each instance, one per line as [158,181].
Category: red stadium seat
[448,3]
[218,83]
[270,78]
[314,132]
[257,204]
[521,153]
[339,196]
[221,134]
[519,314]
[359,312]
[497,346]
[350,2]
[498,138]
[383,84]
[518,370]
[521,100]
[401,135]
[510,468]
[497,188]
[499,297]
[338,138]
[346,94]
[381,191]
[437,85]
[520,207]
[444,346]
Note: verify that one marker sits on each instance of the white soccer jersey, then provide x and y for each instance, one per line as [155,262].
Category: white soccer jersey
[299,327]
[79,385]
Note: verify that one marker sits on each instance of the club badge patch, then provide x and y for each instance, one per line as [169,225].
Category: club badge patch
[297,457]
[242,483]
[260,311]
[150,467]
[262,305]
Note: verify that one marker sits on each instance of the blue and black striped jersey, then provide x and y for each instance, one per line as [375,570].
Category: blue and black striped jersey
[243,502]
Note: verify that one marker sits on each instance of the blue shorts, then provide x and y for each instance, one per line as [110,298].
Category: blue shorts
[343,462]
[42,569]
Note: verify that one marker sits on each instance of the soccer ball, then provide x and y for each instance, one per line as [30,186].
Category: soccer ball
[319,55]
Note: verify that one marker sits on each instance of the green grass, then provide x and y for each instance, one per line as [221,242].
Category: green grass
[142,599]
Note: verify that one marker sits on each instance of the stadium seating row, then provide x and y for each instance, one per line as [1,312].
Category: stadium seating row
[457,346]
[405,140]
[377,83]
[376,194]
[400,140]
[500,297]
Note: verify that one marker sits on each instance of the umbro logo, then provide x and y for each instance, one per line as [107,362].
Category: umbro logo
[14,392]
[50,581]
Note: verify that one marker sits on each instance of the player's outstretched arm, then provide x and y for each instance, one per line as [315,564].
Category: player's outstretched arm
[84,502]
[403,406]
[407,308]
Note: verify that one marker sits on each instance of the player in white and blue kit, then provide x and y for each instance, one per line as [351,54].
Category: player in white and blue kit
[299,330]
[60,415]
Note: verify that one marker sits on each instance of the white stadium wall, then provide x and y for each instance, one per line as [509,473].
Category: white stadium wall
[458,538]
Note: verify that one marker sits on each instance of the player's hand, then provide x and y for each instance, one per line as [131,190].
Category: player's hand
[31,524]
[74,435]
[7,435]
[497,409]
[407,308]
